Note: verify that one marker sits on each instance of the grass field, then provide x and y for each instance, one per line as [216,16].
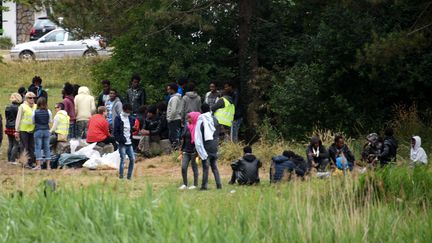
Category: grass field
[95,206]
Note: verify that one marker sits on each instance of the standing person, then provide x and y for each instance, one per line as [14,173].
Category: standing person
[42,117]
[188,150]
[11,112]
[238,116]
[341,155]
[84,108]
[211,96]
[69,104]
[104,95]
[181,86]
[206,145]
[163,123]
[246,169]
[224,110]
[390,146]
[36,88]
[191,102]
[418,155]
[22,91]
[317,155]
[123,129]
[60,128]
[114,107]
[174,111]
[24,126]
[98,128]
[136,95]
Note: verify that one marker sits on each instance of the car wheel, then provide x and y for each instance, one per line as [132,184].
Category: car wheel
[27,56]
[90,53]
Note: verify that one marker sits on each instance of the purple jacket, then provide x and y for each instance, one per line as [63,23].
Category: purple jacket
[70,107]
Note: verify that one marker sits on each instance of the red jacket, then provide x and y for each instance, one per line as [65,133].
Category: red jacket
[69,104]
[97,129]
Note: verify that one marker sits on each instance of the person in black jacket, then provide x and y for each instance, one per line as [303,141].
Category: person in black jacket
[11,114]
[36,88]
[341,155]
[136,95]
[287,162]
[246,169]
[317,155]
[123,129]
[390,146]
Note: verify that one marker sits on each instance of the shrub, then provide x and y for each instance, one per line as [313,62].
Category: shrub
[5,43]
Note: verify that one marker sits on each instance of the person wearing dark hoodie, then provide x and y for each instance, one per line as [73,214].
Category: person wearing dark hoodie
[287,162]
[174,115]
[317,155]
[104,95]
[114,107]
[36,88]
[246,169]
[390,146]
[11,112]
[136,95]
[188,151]
[341,155]
[123,129]
[224,110]
[69,104]
[191,101]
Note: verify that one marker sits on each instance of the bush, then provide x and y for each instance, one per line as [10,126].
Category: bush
[5,43]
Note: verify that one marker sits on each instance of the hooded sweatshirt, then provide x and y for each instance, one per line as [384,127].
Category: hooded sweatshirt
[247,169]
[206,136]
[84,104]
[174,109]
[418,154]
[114,109]
[191,102]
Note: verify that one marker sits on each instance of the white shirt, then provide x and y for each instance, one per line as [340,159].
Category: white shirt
[126,127]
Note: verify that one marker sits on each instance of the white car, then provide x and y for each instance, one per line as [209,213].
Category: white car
[58,44]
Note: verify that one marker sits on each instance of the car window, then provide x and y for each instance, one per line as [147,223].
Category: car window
[57,36]
[41,23]
[71,37]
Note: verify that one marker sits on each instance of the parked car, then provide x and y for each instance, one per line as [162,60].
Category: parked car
[58,44]
[41,27]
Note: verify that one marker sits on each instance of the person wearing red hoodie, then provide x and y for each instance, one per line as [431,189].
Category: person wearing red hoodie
[98,128]
[69,104]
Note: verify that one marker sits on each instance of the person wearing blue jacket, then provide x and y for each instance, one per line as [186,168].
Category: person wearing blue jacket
[123,127]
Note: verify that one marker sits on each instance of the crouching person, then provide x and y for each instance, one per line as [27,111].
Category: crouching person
[123,129]
[418,155]
[341,155]
[245,170]
[317,154]
[287,162]
[60,128]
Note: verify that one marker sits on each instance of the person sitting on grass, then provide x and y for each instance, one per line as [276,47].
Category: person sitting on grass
[188,150]
[246,169]
[317,155]
[60,128]
[341,155]
[123,129]
[287,162]
[42,117]
[98,128]
[390,146]
[418,155]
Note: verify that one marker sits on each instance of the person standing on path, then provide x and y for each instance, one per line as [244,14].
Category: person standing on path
[24,126]
[84,108]
[11,112]
[41,118]
[123,130]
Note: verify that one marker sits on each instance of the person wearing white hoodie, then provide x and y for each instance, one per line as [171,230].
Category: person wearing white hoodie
[418,155]
[84,108]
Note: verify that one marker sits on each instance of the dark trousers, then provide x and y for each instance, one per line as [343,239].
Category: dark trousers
[13,149]
[212,160]
[110,140]
[27,143]
[189,158]
[321,164]
[174,129]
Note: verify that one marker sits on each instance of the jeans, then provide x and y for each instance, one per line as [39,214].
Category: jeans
[235,127]
[13,149]
[189,157]
[28,145]
[126,150]
[81,129]
[174,129]
[205,163]
[72,131]
[42,142]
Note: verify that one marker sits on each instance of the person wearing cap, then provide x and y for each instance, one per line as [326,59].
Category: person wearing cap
[11,114]
[24,126]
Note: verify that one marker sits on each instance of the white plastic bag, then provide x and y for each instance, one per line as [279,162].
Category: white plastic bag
[89,151]
[111,160]
[73,145]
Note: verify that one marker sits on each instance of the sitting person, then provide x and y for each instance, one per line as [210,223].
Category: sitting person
[389,150]
[372,149]
[98,128]
[341,155]
[418,155]
[245,170]
[287,162]
[60,128]
[150,130]
[317,155]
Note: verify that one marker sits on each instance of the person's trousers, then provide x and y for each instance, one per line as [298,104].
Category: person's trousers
[110,140]
[42,142]
[212,161]
[189,158]
[81,129]
[235,127]
[174,129]
[28,145]
[321,164]
[126,150]
[13,149]
[72,131]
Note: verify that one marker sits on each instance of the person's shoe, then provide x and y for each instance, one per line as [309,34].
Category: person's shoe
[203,189]
[231,182]
[182,187]
[218,186]
[192,187]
